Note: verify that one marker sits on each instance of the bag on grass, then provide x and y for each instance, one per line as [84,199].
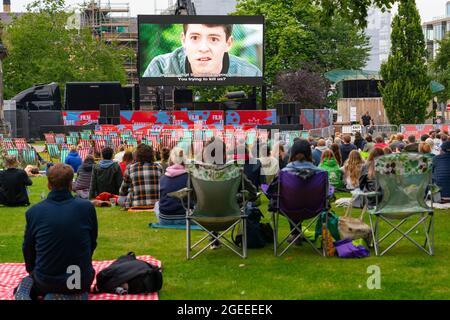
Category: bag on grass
[354,228]
[347,249]
[333,220]
[139,276]
[258,234]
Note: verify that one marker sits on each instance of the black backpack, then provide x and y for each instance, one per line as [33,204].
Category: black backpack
[141,277]
[258,234]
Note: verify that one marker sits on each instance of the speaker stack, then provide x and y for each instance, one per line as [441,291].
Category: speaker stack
[288,113]
[109,114]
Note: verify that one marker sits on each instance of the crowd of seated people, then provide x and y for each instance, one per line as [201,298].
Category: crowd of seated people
[143,178]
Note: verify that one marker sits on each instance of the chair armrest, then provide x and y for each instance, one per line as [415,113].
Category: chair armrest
[180,194]
[433,188]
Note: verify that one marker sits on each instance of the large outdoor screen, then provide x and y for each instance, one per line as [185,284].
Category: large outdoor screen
[201,50]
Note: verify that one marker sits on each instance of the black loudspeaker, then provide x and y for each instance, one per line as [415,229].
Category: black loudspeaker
[110,110]
[294,119]
[102,120]
[282,127]
[182,96]
[288,109]
[115,120]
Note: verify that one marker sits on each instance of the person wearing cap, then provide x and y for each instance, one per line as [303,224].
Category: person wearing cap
[13,184]
[300,160]
[441,171]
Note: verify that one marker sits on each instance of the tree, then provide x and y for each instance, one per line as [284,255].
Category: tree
[42,49]
[294,36]
[441,67]
[352,10]
[304,85]
[406,92]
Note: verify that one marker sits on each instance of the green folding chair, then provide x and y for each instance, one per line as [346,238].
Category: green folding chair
[13,152]
[72,140]
[29,157]
[404,179]
[85,135]
[217,210]
[53,151]
[64,154]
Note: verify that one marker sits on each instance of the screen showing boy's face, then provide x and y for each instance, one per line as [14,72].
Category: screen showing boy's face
[205,48]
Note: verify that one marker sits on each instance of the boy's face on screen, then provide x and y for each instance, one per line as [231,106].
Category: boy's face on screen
[205,48]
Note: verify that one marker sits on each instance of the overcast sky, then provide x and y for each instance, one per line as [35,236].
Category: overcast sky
[428,8]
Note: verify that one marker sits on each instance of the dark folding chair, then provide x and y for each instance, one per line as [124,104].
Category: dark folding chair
[300,198]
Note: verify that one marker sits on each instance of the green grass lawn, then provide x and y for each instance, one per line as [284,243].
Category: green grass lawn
[406,272]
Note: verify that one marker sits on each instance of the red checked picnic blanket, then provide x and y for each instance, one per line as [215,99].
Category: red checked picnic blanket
[12,273]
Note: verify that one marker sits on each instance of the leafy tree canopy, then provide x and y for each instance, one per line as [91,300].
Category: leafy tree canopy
[407,91]
[42,49]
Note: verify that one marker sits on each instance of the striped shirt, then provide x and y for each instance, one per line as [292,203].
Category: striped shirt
[174,64]
[141,184]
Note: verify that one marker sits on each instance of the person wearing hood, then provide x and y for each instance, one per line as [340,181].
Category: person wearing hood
[300,161]
[329,164]
[84,174]
[73,159]
[317,152]
[269,162]
[347,147]
[252,165]
[359,141]
[169,210]
[13,184]
[441,171]
[106,175]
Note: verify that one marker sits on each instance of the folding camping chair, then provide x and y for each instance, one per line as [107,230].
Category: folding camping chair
[217,210]
[300,198]
[404,179]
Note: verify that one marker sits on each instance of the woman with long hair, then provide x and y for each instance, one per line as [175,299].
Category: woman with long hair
[352,170]
[337,153]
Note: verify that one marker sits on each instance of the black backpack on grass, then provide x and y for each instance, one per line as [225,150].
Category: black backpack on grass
[141,277]
[258,234]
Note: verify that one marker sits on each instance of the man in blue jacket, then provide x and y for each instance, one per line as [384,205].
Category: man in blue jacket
[60,239]
[73,159]
[441,171]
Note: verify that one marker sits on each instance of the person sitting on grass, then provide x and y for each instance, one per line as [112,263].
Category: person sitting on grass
[127,159]
[119,155]
[169,210]
[60,239]
[106,176]
[73,159]
[329,163]
[13,184]
[164,156]
[140,187]
[84,175]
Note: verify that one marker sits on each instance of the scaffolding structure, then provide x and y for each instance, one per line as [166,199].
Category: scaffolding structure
[112,22]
